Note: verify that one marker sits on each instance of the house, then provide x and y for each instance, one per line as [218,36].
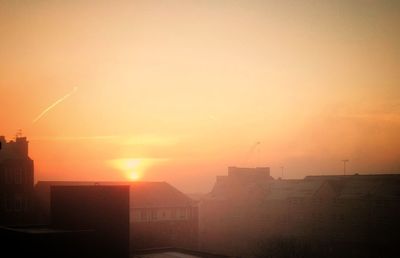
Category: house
[332,215]
[160,215]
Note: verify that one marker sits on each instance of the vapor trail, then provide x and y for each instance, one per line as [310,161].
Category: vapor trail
[44,112]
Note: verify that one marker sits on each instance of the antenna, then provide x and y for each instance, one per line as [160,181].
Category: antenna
[344,165]
[18,134]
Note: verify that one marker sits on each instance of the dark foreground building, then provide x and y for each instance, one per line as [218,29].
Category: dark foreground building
[160,215]
[318,216]
[86,222]
[16,182]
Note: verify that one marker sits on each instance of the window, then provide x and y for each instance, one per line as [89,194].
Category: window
[3,204]
[18,204]
[8,176]
[18,177]
[9,204]
[154,214]
[135,215]
[143,215]
[182,213]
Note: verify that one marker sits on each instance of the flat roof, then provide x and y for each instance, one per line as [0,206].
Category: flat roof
[41,230]
[174,253]
[166,255]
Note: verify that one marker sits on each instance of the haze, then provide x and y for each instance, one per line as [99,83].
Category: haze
[178,90]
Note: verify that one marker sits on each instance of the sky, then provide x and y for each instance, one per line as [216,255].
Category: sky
[177,91]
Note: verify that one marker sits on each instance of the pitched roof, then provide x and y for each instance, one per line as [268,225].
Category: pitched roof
[284,189]
[142,194]
[157,194]
[378,186]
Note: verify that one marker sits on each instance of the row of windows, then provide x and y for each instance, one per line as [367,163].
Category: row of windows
[15,176]
[159,214]
[15,204]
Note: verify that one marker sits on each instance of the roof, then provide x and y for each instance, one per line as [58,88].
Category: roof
[157,194]
[174,253]
[166,255]
[41,230]
[354,176]
[284,189]
[142,194]
[377,186]
[373,186]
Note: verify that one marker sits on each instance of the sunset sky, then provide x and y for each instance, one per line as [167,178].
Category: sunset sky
[177,91]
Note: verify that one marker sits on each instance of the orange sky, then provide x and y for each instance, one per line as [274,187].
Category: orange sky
[178,90]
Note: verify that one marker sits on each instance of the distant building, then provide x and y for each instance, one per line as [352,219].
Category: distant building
[346,216]
[16,182]
[160,215]
[86,222]
[227,214]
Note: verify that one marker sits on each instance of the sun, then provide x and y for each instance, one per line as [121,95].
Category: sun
[134,176]
[132,169]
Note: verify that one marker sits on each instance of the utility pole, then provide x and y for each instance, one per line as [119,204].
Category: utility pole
[344,166]
[282,172]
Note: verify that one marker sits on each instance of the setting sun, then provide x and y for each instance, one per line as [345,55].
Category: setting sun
[133,169]
[134,176]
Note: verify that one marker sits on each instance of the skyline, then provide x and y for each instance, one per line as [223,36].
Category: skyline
[184,90]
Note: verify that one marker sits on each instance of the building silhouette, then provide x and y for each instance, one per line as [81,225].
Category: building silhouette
[160,215]
[332,216]
[16,182]
[86,222]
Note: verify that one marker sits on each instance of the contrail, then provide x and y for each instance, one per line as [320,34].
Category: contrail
[44,112]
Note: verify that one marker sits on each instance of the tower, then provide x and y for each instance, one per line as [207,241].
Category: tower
[16,181]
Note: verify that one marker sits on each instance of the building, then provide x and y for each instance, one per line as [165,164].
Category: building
[227,214]
[160,215]
[16,182]
[86,221]
[44,242]
[332,216]
[104,209]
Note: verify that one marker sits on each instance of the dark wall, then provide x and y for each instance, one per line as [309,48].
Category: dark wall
[16,191]
[105,209]
[19,242]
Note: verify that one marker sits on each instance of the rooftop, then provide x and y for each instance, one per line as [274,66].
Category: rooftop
[142,194]
[40,230]
[174,253]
